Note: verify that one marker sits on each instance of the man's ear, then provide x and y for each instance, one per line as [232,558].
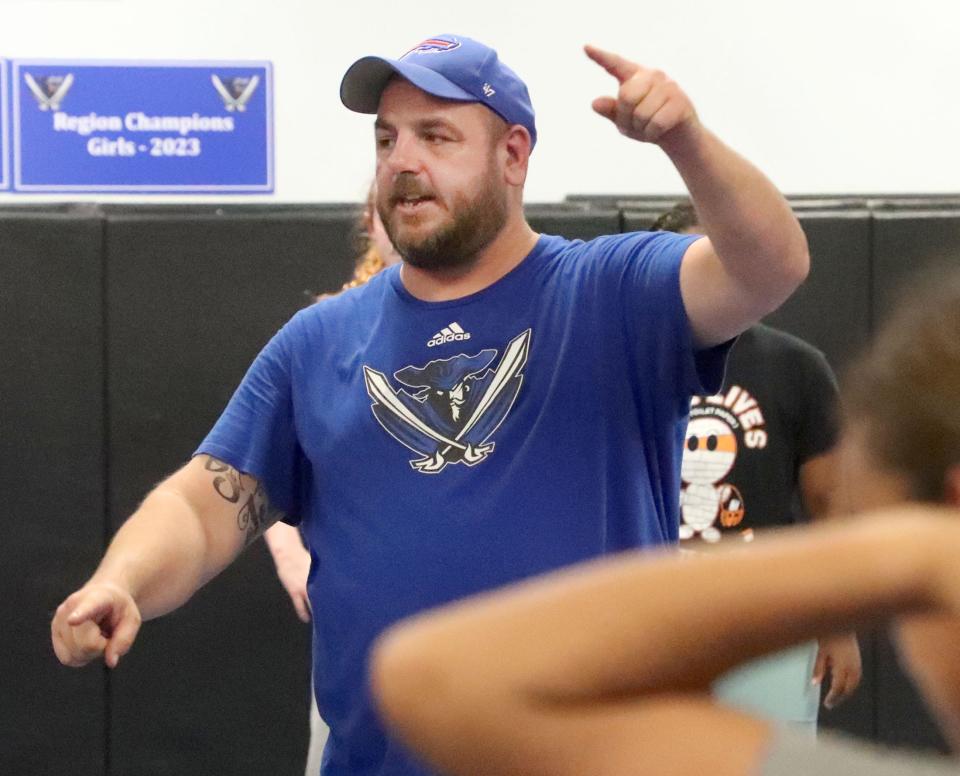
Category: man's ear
[516,143]
[951,486]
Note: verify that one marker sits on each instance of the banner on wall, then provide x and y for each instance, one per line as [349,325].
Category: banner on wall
[142,127]
[4,126]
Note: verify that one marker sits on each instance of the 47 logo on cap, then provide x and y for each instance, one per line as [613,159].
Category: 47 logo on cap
[433,46]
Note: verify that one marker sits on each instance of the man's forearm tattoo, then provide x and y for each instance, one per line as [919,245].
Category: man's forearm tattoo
[256,514]
[253,515]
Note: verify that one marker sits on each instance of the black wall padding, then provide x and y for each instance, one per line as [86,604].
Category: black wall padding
[51,466]
[222,685]
[909,242]
[574,223]
[902,717]
[831,310]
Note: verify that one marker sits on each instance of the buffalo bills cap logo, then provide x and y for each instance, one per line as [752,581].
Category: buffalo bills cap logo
[433,46]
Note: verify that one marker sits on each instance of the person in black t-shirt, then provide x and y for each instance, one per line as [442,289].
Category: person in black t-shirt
[759,455]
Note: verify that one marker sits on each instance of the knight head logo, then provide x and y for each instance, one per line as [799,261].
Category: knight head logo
[235,91]
[445,384]
[433,46]
[447,410]
[49,90]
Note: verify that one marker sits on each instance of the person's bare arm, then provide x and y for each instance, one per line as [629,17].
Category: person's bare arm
[588,669]
[838,654]
[818,485]
[293,565]
[188,529]
[755,253]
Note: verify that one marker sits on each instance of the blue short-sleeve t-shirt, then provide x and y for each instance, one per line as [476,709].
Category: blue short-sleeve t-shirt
[431,450]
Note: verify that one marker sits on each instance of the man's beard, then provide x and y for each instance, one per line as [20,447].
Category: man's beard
[473,225]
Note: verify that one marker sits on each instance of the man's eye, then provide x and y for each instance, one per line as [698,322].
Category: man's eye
[384,142]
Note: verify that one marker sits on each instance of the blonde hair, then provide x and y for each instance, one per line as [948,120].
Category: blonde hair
[369,261]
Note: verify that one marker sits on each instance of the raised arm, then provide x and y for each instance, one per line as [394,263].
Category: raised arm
[188,529]
[599,669]
[755,253]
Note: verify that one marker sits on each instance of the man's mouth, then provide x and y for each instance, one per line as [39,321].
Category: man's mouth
[410,204]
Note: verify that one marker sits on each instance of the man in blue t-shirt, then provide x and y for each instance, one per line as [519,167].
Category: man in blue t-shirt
[501,404]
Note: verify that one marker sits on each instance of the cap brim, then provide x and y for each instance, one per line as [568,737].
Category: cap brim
[365,80]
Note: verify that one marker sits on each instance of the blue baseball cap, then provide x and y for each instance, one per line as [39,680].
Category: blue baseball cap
[451,67]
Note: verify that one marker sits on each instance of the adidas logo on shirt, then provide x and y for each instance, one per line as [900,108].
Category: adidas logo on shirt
[450,333]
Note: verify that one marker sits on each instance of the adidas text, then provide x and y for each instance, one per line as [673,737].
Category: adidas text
[440,339]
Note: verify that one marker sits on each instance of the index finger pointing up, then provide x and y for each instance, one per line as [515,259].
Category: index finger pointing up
[617,66]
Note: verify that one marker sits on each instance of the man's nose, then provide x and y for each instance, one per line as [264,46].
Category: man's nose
[405,155]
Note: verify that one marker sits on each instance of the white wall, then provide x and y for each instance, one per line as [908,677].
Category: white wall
[827,96]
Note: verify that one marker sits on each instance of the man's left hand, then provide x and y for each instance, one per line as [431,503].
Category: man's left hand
[648,104]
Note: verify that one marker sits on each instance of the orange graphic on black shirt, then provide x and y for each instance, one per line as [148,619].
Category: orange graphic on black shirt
[709,454]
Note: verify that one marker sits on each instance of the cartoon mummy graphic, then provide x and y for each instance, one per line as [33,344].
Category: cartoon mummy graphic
[709,453]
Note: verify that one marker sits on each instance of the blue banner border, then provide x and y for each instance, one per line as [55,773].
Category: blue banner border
[16,64]
[4,125]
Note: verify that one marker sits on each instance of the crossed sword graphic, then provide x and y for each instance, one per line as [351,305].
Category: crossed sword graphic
[230,102]
[514,358]
[49,101]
